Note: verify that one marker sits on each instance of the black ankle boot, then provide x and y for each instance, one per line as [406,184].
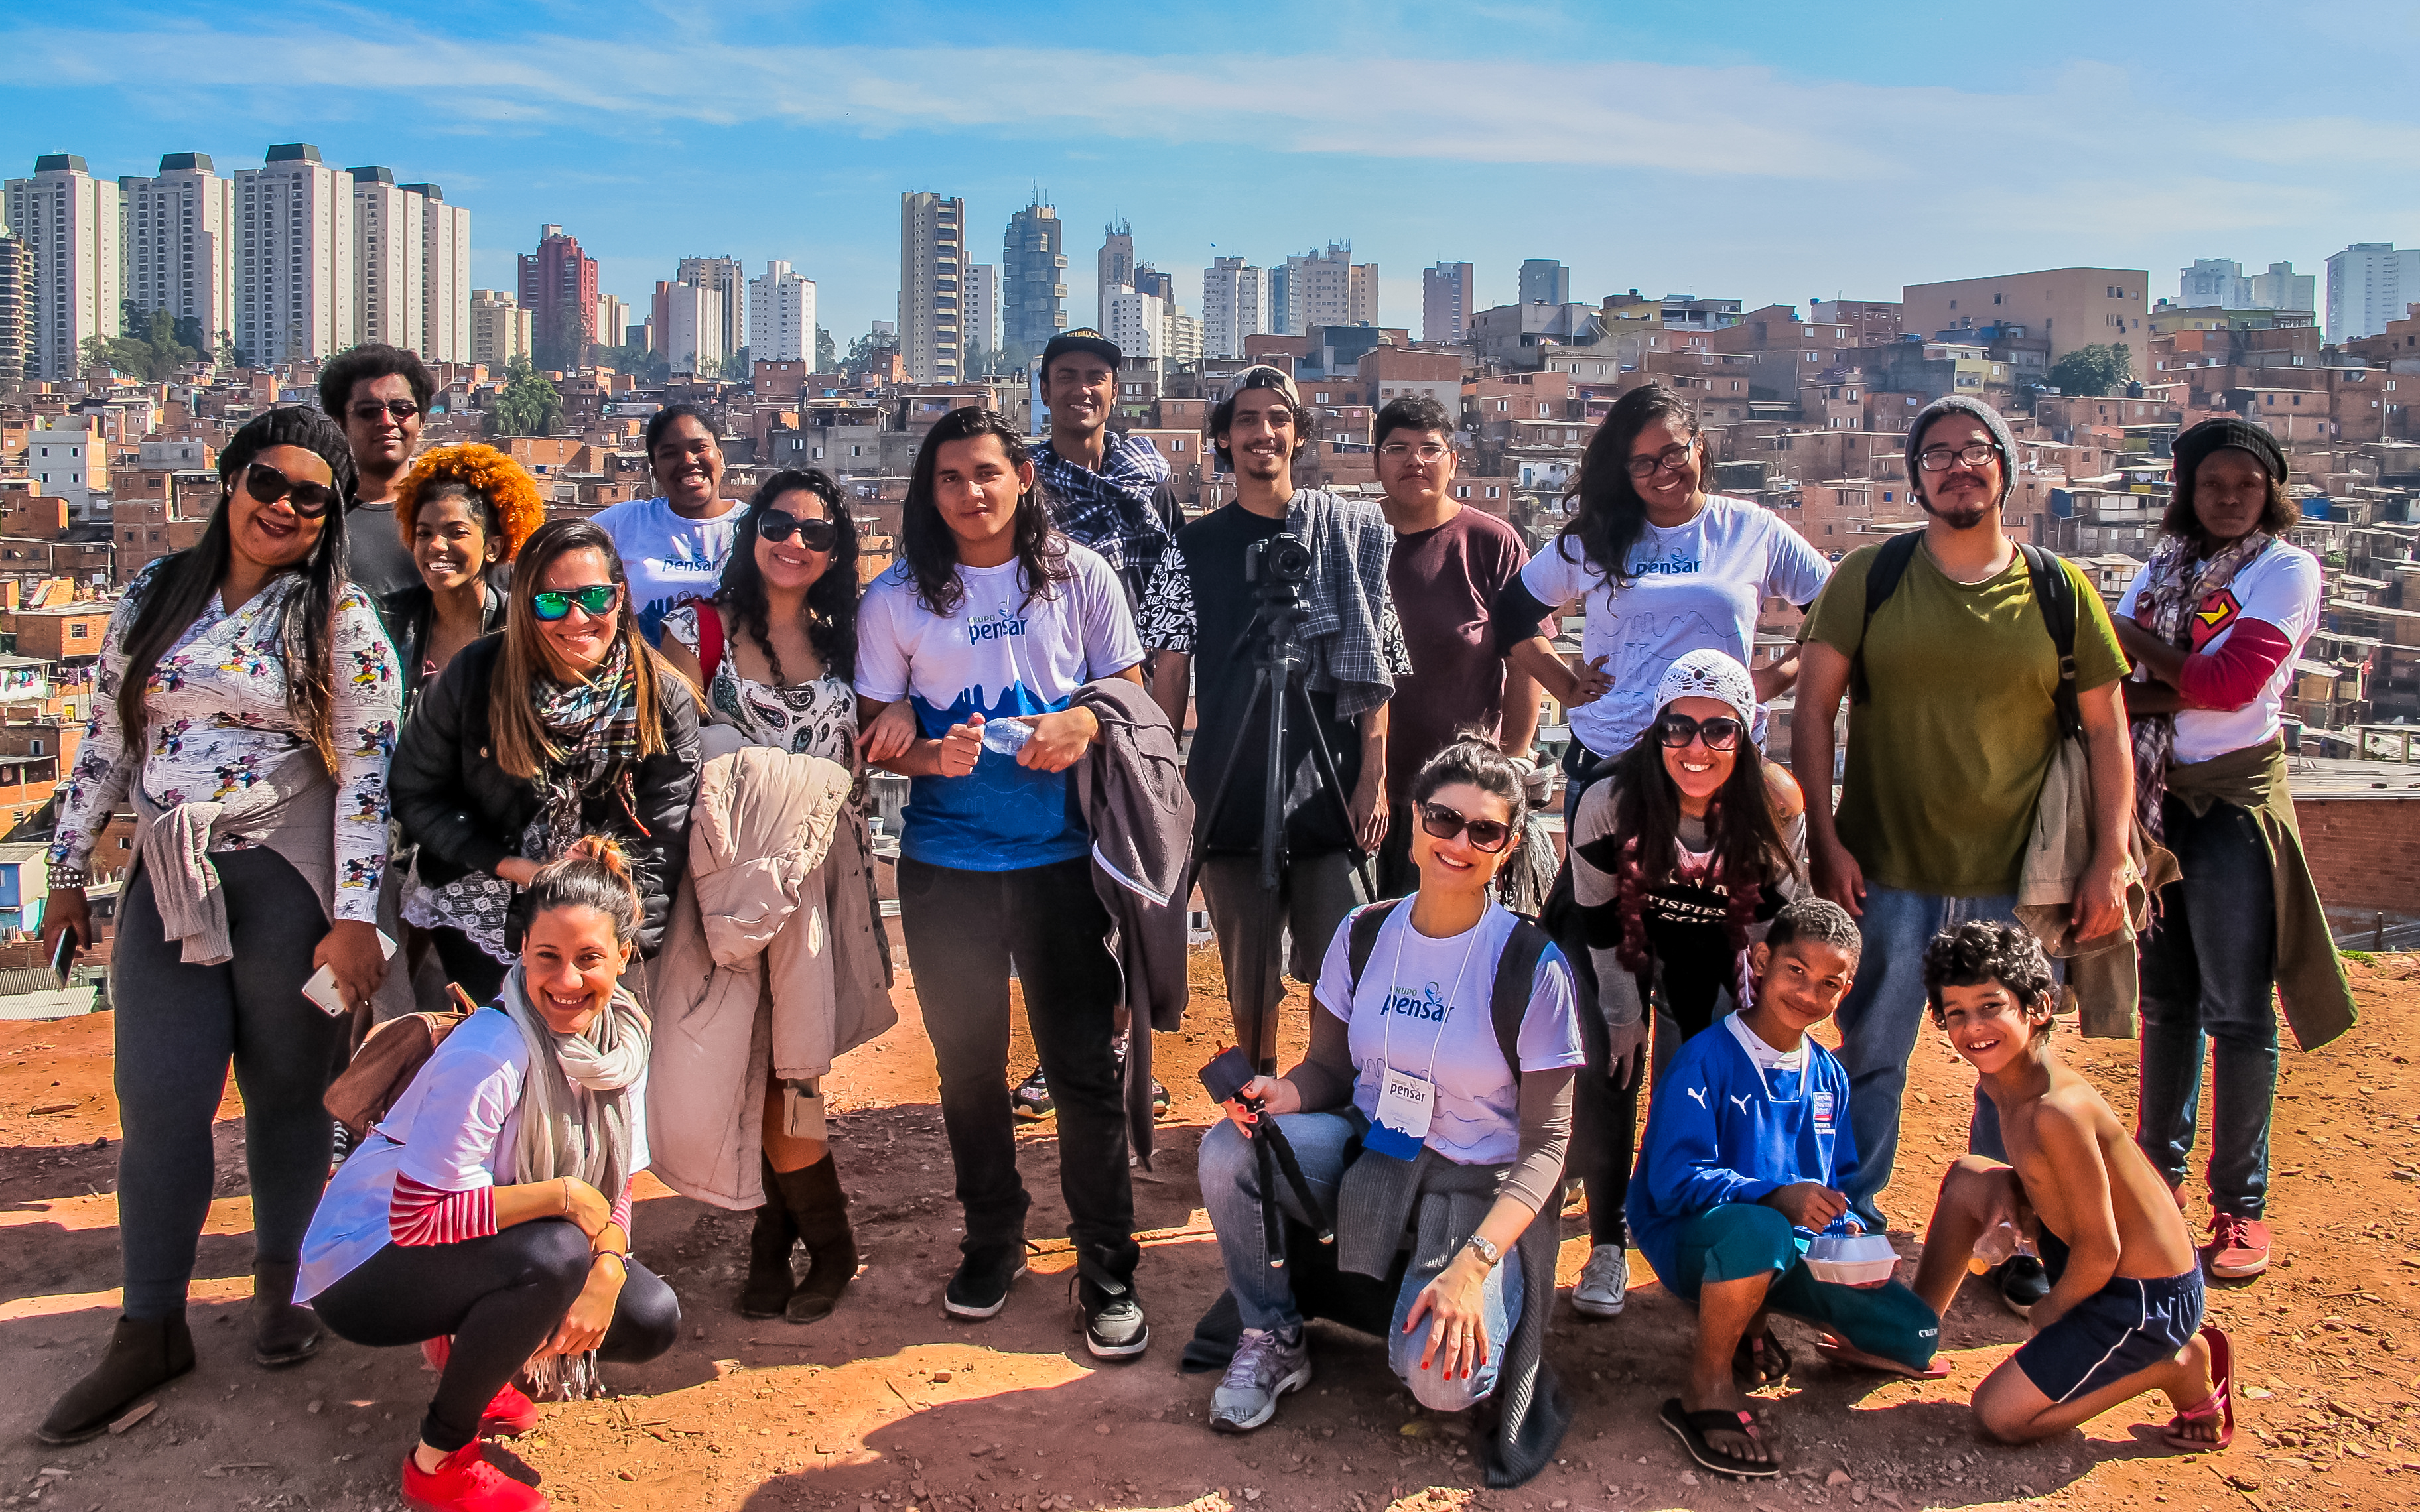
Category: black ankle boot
[282,1333]
[141,1354]
[770,1281]
[819,1211]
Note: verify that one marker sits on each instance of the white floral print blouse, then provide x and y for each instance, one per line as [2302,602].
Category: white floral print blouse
[219,723]
[810,719]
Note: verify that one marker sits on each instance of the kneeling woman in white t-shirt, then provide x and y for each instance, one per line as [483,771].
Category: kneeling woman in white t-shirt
[1406,1060]
[487,1215]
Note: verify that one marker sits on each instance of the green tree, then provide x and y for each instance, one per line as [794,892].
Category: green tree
[868,350]
[529,405]
[641,364]
[2093,371]
[740,368]
[827,352]
[150,347]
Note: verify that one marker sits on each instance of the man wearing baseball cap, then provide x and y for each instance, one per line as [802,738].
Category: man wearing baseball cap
[1951,735]
[1107,490]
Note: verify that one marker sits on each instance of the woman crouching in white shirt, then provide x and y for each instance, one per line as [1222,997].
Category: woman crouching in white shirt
[487,1215]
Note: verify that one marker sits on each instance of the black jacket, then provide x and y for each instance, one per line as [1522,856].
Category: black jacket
[466,813]
[408,613]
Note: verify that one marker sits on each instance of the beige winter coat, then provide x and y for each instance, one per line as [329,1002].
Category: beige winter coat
[777,910]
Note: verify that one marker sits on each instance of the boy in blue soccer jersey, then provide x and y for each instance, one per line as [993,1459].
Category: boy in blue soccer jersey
[1747,1151]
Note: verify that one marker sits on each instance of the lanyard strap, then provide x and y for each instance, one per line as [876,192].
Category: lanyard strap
[1386,1020]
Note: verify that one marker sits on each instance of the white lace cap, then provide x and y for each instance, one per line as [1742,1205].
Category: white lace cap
[1710,674]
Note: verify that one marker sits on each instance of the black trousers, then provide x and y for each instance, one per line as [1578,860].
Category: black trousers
[467,966]
[963,928]
[499,1297]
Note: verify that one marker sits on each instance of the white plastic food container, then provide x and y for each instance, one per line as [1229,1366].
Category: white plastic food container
[1851,1259]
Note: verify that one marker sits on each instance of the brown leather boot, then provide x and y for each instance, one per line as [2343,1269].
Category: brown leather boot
[820,1210]
[141,1354]
[282,1333]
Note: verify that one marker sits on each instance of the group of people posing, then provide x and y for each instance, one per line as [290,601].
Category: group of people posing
[602,784]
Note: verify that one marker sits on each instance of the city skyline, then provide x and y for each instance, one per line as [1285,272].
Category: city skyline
[1787,156]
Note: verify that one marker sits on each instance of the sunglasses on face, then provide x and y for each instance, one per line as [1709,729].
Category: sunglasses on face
[371,413]
[1488,835]
[309,500]
[814,534]
[593,600]
[1676,731]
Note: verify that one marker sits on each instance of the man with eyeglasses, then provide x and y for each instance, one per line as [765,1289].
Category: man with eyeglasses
[1107,490]
[379,394]
[1952,736]
[1449,562]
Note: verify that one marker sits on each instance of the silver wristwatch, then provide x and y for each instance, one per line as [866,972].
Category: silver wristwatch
[1487,1251]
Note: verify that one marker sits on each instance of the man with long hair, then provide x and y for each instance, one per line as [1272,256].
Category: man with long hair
[1950,738]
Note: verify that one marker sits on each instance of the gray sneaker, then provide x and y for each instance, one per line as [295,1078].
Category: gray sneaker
[1605,1282]
[1264,1368]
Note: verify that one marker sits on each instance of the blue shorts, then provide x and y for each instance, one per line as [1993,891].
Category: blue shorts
[2125,1327]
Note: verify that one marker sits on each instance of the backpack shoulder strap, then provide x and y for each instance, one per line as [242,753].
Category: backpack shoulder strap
[1516,975]
[1362,938]
[709,638]
[1882,580]
[2054,591]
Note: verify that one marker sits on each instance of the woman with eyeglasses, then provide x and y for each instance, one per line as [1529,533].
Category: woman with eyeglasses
[1681,853]
[774,653]
[1435,1099]
[566,724]
[245,711]
[1661,567]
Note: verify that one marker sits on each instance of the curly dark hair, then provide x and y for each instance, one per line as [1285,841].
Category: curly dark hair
[1817,919]
[1607,516]
[1981,951]
[369,361]
[931,547]
[832,601]
[1749,851]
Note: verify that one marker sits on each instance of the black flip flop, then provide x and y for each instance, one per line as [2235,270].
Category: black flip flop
[1760,1362]
[1692,1427]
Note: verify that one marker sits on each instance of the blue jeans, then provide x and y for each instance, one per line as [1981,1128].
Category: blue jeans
[1880,1020]
[1231,1193]
[2210,968]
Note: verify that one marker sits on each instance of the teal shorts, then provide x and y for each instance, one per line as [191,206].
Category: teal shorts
[1739,1239]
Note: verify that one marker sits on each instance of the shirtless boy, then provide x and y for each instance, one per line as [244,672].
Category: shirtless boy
[2124,1314]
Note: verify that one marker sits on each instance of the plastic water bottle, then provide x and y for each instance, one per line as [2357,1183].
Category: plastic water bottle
[1997,1244]
[1006,737]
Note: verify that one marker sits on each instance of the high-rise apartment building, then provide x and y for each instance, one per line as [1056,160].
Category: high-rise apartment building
[727,278]
[69,220]
[1234,304]
[294,258]
[688,328]
[932,261]
[1136,322]
[1318,290]
[16,297]
[558,287]
[1446,307]
[2369,282]
[388,292]
[2220,283]
[1361,295]
[444,276]
[982,323]
[2282,288]
[1113,268]
[780,316]
[499,328]
[1184,344]
[1033,267]
[612,318]
[1545,280]
[178,247]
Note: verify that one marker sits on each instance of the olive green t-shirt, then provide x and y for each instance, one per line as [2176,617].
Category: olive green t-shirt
[1947,759]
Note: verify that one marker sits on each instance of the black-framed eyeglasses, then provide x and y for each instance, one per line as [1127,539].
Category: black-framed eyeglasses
[309,500]
[594,599]
[1721,733]
[1488,835]
[1941,459]
[813,533]
[1671,459]
[371,412]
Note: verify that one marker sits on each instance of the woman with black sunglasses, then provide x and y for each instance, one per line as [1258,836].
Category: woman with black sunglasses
[567,723]
[1681,854]
[246,707]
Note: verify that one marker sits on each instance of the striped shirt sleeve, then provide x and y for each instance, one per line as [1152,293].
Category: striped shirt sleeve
[422,1214]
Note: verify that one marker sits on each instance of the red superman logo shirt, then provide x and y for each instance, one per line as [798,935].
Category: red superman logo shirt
[2216,613]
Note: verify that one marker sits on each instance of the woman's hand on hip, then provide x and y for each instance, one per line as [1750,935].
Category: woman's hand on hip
[1274,1094]
[1455,1301]
[350,948]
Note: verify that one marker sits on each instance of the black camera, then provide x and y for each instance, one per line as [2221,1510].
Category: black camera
[1281,563]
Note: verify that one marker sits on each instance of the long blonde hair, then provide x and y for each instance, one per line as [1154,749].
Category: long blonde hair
[522,745]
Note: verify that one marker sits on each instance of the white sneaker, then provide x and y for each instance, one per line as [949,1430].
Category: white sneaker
[1605,1282]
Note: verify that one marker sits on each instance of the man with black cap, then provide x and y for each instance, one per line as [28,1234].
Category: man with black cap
[1951,735]
[1107,490]
[1199,612]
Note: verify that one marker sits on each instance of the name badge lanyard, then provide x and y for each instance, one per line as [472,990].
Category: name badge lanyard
[1406,1142]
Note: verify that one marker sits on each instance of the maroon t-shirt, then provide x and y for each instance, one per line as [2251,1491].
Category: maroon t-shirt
[1445,583]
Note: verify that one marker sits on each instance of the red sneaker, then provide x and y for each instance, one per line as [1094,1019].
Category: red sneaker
[2237,1247]
[465,1481]
[509,1414]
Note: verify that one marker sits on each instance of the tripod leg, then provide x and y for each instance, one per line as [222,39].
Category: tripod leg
[1334,786]
[1207,813]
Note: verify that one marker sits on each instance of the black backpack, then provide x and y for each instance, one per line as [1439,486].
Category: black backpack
[1516,971]
[2053,591]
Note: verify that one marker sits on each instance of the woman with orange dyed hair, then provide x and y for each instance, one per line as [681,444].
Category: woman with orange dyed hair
[464,512]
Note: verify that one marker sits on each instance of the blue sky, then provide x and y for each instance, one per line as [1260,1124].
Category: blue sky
[1772,152]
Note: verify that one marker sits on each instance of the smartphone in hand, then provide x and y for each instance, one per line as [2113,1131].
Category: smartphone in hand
[63,954]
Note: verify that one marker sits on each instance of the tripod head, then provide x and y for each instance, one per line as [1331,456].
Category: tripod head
[1278,568]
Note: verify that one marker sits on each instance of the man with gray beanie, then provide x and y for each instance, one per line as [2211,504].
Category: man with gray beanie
[1952,729]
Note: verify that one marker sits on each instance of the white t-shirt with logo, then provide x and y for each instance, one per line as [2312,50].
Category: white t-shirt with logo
[1426,1007]
[668,558]
[2281,588]
[1001,653]
[1691,587]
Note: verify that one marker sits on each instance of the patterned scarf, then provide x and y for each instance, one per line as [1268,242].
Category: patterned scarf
[1110,511]
[2176,583]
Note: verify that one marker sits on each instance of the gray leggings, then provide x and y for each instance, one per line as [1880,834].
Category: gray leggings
[178,1026]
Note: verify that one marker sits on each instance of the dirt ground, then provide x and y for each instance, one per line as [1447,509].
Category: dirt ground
[890,1406]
